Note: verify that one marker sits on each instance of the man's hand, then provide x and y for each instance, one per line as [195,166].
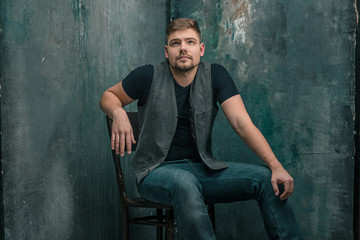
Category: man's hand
[122,133]
[281,176]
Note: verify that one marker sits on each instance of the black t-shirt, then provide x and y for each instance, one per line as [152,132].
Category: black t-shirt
[137,86]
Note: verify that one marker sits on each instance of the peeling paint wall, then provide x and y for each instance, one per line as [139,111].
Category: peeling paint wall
[293,62]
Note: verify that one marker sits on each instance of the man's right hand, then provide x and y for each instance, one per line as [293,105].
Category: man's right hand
[112,102]
[122,132]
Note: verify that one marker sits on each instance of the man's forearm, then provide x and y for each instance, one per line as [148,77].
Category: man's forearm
[254,139]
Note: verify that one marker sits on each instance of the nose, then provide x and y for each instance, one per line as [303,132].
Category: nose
[183,46]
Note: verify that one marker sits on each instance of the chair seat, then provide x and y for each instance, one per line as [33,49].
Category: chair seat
[159,220]
[139,202]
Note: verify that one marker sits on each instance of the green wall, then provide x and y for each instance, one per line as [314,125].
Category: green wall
[293,62]
[59,57]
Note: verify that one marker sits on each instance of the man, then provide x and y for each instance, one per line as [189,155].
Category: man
[177,103]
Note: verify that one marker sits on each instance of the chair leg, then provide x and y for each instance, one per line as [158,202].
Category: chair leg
[125,223]
[170,224]
[159,230]
[211,211]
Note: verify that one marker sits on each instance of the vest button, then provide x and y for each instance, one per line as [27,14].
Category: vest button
[171,131]
[166,146]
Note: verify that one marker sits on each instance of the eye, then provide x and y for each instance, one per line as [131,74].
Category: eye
[175,43]
[191,42]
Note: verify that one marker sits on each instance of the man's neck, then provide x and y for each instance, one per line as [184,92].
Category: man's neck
[184,78]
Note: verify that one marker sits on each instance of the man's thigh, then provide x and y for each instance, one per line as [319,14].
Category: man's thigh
[169,178]
[238,182]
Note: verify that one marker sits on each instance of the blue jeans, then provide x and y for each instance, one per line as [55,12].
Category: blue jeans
[186,185]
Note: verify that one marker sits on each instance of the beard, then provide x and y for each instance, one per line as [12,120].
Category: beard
[183,68]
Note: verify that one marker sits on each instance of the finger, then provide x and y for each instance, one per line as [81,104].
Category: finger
[117,140]
[285,195]
[128,143]
[133,138]
[275,187]
[292,187]
[113,141]
[287,192]
[122,144]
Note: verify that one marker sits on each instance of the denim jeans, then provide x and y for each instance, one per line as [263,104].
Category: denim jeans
[186,185]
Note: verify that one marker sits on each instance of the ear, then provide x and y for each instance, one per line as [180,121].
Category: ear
[202,49]
[166,51]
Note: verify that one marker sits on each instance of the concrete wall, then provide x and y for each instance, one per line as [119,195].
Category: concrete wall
[59,57]
[293,62]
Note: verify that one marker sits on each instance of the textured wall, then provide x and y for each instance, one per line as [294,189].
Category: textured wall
[59,57]
[293,62]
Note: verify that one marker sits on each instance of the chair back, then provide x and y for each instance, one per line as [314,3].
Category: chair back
[133,117]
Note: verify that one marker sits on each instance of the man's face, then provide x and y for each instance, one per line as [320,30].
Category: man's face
[184,50]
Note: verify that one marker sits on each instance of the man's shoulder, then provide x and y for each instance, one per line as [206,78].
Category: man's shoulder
[164,64]
[145,67]
[139,74]
[142,71]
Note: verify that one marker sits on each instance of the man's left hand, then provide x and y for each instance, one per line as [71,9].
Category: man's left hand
[281,176]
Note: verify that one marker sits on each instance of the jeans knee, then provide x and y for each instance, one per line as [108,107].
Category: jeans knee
[187,186]
[265,174]
[264,179]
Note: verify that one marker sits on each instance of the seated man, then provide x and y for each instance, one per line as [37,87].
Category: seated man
[174,165]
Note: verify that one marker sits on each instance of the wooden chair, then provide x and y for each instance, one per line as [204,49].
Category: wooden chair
[164,213]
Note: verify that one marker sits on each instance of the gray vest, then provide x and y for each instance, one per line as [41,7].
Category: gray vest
[158,119]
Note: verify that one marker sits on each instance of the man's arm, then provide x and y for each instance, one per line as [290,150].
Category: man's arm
[239,119]
[112,103]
